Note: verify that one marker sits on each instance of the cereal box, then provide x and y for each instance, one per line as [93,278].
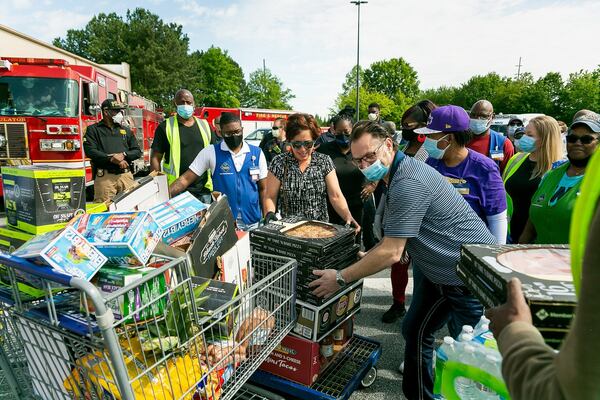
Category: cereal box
[179,216]
[123,237]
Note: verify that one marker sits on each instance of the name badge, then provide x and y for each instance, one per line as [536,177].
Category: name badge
[460,185]
[254,174]
[497,155]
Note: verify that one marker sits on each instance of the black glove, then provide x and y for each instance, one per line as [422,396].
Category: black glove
[271,216]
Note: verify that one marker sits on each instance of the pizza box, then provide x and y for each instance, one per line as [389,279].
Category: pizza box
[317,321]
[341,249]
[151,191]
[66,251]
[123,237]
[179,216]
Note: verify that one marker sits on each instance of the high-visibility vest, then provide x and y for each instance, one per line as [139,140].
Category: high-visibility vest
[511,167]
[583,212]
[172,168]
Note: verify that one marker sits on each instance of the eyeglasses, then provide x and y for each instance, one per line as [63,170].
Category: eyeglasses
[275,128]
[370,158]
[585,139]
[232,133]
[307,144]
[515,123]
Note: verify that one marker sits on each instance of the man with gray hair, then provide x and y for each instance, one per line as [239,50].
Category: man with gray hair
[486,140]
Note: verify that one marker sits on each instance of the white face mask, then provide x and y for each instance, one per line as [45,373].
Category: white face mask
[372,117]
[118,118]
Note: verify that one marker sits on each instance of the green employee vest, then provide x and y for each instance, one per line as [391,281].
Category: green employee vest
[585,208]
[552,223]
[512,166]
[172,168]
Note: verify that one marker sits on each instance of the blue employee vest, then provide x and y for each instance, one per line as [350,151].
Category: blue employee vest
[496,145]
[241,191]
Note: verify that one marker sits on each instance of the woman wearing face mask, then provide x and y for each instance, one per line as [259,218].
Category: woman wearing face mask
[302,179]
[552,203]
[350,178]
[540,147]
[414,118]
[475,176]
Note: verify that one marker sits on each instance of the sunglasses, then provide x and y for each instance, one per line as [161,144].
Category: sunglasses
[585,139]
[307,144]
[516,123]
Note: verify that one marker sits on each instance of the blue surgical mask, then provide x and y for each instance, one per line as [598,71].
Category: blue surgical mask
[478,126]
[375,171]
[185,111]
[432,149]
[342,140]
[526,144]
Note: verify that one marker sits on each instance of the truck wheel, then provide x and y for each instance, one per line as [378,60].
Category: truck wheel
[369,378]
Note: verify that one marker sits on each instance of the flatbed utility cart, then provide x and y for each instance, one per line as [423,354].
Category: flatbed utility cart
[353,367]
[79,343]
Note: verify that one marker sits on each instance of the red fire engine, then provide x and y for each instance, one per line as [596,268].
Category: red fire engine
[46,106]
[252,118]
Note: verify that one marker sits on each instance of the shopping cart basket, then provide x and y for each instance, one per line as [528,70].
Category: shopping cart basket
[150,339]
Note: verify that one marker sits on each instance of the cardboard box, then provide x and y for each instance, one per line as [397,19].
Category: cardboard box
[41,199]
[235,264]
[94,208]
[66,251]
[11,239]
[296,359]
[146,295]
[551,296]
[179,216]
[152,190]
[315,322]
[219,293]
[123,237]
[214,237]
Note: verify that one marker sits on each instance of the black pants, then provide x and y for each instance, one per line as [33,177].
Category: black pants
[369,240]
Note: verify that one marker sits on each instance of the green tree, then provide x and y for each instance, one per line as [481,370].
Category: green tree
[350,81]
[395,78]
[582,90]
[220,79]
[441,96]
[157,52]
[389,110]
[477,88]
[265,90]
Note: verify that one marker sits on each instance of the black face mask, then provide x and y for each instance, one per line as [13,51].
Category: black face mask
[234,141]
[582,163]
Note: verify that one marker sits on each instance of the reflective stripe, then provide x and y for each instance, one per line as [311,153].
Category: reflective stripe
[172,131]
[583,212]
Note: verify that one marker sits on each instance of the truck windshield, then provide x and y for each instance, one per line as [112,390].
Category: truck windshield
[39,96]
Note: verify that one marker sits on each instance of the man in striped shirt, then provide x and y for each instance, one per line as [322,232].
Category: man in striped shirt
[428,217]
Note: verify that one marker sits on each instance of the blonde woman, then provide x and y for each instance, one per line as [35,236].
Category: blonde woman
[540,147]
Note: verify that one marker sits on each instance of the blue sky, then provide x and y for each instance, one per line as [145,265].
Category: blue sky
[311,44]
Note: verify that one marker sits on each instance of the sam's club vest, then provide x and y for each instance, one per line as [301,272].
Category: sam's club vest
[241,191]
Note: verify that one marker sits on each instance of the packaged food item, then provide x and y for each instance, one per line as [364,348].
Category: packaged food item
[296,359]
[326,349]
[123,237]
[41,199]
[179,216]
[66,251]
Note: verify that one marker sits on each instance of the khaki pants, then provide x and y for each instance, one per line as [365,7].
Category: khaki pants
[108,185]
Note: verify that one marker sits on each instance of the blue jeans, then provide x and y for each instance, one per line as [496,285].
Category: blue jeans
[432,306]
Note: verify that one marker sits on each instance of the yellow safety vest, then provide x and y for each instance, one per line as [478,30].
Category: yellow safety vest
[172,168]
[583,212]
[511,167]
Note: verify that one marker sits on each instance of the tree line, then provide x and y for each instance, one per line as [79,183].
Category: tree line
[161,62]
[394,85]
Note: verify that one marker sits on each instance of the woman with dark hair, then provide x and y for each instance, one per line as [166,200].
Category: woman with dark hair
[302,179]
[475,176]
[414,118]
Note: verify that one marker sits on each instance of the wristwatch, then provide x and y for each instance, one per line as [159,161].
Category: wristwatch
[340,279]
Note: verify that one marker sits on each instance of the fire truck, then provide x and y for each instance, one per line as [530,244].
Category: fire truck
[46,106]
[252,118]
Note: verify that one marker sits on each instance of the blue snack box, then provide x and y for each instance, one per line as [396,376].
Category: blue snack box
[66,251]
[179,216]
[123,237]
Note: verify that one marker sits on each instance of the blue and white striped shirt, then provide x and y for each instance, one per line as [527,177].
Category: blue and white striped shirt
[424,208]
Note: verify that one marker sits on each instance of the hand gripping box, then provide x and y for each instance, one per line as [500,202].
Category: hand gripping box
[179,216]
[123,237]
[66,251]
[41,199]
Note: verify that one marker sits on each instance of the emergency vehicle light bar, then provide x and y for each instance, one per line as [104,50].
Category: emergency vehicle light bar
[37,61]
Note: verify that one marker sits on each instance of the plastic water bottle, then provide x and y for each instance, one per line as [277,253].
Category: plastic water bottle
[479,328]
[466,388]
[491,365]
[448,351]
[467,329]
[465,337]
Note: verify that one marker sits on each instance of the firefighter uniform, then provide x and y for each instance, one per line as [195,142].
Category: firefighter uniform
[100,143]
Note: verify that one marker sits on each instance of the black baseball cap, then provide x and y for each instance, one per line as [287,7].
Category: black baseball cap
[112,104]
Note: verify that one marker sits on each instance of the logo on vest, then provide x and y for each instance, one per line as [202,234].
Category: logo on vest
[225,168]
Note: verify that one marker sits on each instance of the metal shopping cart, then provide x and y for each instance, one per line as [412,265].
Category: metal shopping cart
[150,339]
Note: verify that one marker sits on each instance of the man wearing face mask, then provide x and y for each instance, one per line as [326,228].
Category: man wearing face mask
[238,170]
[487,141]
[428,217]
[111,147]
[178,140]
[273,143]
[375,113]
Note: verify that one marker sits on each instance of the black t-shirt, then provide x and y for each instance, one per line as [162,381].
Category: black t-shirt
[191,144]
[101,140]
[350,178]
[521,189]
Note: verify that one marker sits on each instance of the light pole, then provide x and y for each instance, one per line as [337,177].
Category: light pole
[358,3]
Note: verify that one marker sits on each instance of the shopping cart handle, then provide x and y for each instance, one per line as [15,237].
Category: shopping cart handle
[47,273]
